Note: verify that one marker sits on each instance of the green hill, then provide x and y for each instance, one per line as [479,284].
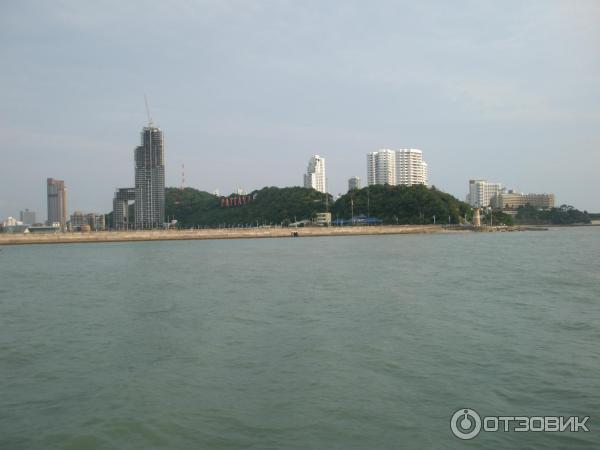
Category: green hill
[269,205]
[392,204]
[272,205]
[402,205]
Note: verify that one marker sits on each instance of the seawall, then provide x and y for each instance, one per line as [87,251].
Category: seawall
[224,233]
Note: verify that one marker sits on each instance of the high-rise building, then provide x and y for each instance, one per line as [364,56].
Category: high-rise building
[353,183]
[381,167]
[27,217]
[410,167]
[123,198]
[149,192]
[57,202]
[315,176]
[150,180]
[397,167]
[481,193]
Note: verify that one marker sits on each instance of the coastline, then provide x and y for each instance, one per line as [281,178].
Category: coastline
[232,233]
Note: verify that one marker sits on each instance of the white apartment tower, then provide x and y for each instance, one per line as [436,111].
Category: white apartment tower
[381,167]
[315,175]
[481,193]
[397,167]
[410,167]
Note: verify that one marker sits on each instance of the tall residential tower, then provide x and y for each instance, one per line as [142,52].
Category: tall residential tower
[57,202]
[410,167]
[481,193]
[397,167]
[315,176]
[150,180]
[381,167]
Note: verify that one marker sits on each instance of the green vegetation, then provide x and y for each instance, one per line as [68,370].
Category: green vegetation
[271,205]
[402,205]
[392,204]
[410,205]
[497,218]
[565,215]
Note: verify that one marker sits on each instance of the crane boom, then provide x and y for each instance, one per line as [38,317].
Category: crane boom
[148,111]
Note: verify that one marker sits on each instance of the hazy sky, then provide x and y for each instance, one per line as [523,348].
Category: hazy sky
[247,91]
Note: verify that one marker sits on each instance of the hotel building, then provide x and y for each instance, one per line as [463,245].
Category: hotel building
[315,176]
[397,167]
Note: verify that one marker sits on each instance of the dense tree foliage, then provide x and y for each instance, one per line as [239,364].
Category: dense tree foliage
[497,218]
[269,205]
[402,205]
[393,204]
[565,215]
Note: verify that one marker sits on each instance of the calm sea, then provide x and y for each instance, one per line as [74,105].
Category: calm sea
[313,343]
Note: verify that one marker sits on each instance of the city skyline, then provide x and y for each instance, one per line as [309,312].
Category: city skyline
[488,91]
[139,196]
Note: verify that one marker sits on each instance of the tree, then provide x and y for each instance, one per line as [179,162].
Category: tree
[401,204]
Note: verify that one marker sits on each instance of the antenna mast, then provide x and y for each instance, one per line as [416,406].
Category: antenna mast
[150,123]
[182,177]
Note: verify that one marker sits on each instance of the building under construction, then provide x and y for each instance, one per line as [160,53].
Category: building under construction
[148,195]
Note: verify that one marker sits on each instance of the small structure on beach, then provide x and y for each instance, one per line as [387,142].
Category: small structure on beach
[476,217]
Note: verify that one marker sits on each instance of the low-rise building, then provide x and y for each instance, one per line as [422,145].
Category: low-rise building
[85,222]
[27,217]
[11,222]
[53,228]
[513,200]
[323,219]
[12,225]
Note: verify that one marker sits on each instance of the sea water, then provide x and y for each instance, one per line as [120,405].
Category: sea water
[365,342]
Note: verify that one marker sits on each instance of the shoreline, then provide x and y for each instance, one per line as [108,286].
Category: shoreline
[235,233]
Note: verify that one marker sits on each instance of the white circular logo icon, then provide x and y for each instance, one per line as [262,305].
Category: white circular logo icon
[465,423]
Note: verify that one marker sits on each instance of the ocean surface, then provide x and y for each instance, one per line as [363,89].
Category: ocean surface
[367,342]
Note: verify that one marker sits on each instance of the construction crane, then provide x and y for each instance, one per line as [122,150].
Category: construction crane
[150,123]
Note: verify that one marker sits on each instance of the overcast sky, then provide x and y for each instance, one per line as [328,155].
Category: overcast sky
[247,91]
